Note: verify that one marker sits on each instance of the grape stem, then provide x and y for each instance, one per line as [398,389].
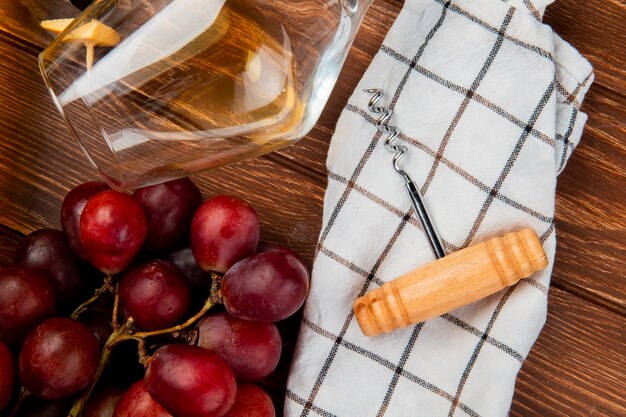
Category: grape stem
[127,332]
[175,329]
[23,395]
[113,339]
[106,287]
[116,305]
[216,288]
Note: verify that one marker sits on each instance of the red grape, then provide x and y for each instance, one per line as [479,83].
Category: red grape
[189,381]
[113,227]
[251,401]
[47,251]
[275,247]
[59,358]
[137,402]
[72,209]
[169,209]
[268,286]
[196,277]
[7,374]
[101,403]
[251,349]
[224,230]
[155,294]
[26,299]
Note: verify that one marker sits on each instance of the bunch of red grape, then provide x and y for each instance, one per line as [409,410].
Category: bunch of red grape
[156,254]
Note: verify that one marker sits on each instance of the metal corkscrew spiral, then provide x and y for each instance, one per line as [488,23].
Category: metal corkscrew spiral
[382,123]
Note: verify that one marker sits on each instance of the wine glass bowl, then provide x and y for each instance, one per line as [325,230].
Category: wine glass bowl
[156,90]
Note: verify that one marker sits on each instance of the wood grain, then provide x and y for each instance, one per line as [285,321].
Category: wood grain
[454,281]
[8,242]
[596,29]
[576,368]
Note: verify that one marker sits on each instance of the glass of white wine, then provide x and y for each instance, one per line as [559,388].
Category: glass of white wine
[156,90]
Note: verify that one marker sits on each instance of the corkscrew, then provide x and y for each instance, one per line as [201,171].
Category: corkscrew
[382,123]
[451,281]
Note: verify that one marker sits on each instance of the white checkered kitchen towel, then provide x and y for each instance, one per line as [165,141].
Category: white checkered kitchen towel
[487,99]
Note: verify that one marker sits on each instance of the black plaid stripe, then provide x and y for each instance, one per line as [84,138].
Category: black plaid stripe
[346,193]
[566,137]
[468,96]
[534,283]
[351,266]
[478,348]
[343,199]
[399,368]
[544,236]
[389,365]
[457,170]
[509,163]
[473,330]
[570,98]
[452,319]
[533,9]
[296,398]
[373,197]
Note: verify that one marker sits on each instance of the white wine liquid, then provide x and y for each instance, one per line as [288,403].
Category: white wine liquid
[235,78]
[193,85]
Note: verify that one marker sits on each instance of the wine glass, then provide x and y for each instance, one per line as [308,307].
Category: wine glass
[156,90]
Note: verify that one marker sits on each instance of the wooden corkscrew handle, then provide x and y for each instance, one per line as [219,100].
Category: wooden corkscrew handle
[457,279]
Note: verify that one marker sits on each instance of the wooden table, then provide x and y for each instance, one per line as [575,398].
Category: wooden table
[576,368]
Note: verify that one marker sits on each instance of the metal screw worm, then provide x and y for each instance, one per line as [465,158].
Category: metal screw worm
[382,123]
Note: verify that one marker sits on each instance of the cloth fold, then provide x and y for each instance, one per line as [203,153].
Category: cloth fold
[487,100]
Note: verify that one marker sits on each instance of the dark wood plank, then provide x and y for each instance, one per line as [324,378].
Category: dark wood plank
[8,242]
[590,221]
[596,29]
[576,368]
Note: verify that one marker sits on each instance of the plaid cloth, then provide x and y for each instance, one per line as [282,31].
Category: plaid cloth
[487,99]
